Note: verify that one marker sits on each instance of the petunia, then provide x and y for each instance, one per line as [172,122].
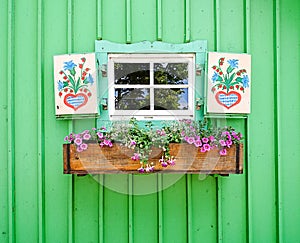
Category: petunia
[86,136]
[141,170]
[190,140]
[135,156]
[198,143]
[83,146]
[206,147]
[229,143]
[78,141]
[69,65]
[100,135]
[222,142]
[211,138]
[205,140]
[223,151]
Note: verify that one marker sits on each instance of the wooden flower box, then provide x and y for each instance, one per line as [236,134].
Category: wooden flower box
[117,159]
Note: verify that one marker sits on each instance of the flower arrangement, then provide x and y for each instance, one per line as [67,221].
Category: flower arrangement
[142,138]
[232,79]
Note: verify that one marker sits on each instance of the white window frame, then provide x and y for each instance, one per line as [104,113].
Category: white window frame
[151,114]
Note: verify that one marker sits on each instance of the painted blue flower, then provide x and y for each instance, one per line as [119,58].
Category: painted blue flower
[69,65]
[233,63]
[90,79]
[60,85]
[215,77]
[245,81]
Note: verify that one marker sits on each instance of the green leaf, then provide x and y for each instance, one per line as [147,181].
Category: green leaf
[239,79]
[231,78]
[229,69]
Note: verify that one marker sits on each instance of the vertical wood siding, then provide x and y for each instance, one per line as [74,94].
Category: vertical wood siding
[40,204]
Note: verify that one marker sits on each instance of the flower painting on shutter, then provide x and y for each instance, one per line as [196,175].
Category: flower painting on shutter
[75,84]
[229,79]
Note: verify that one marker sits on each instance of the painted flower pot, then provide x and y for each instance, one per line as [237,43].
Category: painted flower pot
[117,159]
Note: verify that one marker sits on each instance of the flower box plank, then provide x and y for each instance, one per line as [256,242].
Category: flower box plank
[117,159]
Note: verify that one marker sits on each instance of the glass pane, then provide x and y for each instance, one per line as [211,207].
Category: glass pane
[170,73]
[132,99]
[171,99]
[132,73]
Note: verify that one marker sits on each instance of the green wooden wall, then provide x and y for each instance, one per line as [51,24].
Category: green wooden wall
[40,204]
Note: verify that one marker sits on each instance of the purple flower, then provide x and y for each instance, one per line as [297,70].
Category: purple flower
[228,143]
[190,140]
[100,135]
[222,142]
[78,141]
[202,150]
[86,136]
[171,161]
[211,138]
[164,164]
[132,142]
[223,151]
[135,156]
[106,142]
[205,140]
[79,149]
[83,146]
[198,143]
[141,170]
[206,147]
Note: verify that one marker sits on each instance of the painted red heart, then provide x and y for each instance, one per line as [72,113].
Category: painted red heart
[229,99]
[75,101]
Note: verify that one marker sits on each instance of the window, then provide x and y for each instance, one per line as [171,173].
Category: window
[151,86]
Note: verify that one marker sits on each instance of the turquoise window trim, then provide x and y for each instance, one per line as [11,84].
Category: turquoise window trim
[198,47]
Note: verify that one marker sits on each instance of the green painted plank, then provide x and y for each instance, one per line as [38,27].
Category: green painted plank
[56,184]
[288,107]
[85,209]
[25,88]
[173,19]
[174,208]
[40,127]
[84,26]
[262,180]
[4,202]
[202,22]
[231,191]
[114,21]
[231,23]
[143,20]
[145,208]
[116,211]
[203,209]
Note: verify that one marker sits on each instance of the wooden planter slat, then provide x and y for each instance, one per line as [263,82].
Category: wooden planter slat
[189,159]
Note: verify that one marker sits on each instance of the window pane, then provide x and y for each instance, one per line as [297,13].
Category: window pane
[171,99]
[132,73]
[170,73]
[132,99]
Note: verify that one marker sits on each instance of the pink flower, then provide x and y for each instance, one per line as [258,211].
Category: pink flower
[83,146]
[135,156]
[222,142]
[132,142]
[205,140]
[171,161]
[198,143]
[206,147]
[141,170]
[78,141]
[86,136]
[211,138]
[223,151]
[190,140]
[100,135]
[202,150]
[228,143]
